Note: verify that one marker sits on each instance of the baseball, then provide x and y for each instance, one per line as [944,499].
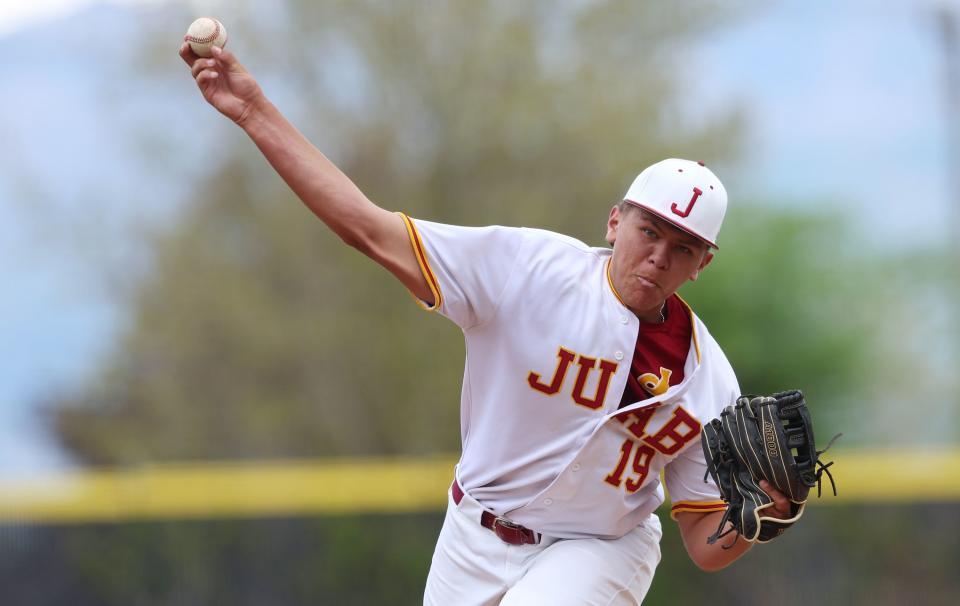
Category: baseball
[205,33]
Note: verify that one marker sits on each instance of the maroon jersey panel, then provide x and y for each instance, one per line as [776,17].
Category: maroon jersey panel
[660,354]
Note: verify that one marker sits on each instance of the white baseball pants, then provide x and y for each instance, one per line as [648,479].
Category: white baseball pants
[473,567]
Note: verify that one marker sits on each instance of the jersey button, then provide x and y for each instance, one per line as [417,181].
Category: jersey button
[575,467]
[548,502]
[618,355]
[623,319]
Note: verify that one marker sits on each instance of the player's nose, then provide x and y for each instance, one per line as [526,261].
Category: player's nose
[659,256]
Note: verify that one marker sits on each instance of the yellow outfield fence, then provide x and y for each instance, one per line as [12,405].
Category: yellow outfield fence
[378,485]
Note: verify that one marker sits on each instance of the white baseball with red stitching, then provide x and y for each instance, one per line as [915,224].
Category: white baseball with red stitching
[205,33]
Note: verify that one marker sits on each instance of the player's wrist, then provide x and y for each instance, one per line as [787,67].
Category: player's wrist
[255,113]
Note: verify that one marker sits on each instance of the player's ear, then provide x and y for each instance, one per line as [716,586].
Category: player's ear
[613,222]
[706,261]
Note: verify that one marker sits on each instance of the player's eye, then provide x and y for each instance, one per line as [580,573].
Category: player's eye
[648,232]
[684,250]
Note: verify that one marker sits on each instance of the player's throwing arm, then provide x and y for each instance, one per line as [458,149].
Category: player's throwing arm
[327,192]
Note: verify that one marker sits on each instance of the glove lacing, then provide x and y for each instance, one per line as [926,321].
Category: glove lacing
[823,469]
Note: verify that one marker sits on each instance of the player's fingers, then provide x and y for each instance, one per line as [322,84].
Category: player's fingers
[187,54]
[201,64]
[226,57]
[207,75]
[780,501]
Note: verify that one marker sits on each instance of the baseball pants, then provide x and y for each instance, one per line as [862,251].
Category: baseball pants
[473,567]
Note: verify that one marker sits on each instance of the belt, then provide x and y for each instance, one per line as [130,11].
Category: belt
[509,532]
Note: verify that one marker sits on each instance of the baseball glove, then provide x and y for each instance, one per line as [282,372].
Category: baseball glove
[763,438]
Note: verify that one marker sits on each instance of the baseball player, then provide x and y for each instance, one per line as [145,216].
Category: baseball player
[586,376]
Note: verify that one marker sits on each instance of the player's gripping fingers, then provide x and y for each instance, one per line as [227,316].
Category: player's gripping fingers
[781,504]
[201,65]
[227,60]
[206,76]
[186,53]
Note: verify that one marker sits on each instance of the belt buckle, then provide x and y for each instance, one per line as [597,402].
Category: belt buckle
[508,531]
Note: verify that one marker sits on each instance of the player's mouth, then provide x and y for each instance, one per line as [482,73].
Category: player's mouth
[644,281]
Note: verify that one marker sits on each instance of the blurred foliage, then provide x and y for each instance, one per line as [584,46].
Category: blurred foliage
[349,561]
[838,556]
[782,299]
[865,555]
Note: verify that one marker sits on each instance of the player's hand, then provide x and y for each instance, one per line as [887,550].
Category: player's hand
[225,84]
[781,504]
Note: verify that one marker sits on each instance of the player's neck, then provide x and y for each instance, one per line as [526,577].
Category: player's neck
[654,316]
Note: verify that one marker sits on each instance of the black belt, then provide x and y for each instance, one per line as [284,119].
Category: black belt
[509,532]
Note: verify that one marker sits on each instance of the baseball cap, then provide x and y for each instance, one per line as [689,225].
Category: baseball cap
[684,193]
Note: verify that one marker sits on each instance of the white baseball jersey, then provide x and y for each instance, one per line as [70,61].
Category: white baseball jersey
[548,350]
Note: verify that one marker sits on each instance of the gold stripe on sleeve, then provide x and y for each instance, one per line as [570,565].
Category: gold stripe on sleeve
[696,507]
[420,252]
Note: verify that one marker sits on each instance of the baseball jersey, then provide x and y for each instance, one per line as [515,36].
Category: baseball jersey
[549,344]
[660,353]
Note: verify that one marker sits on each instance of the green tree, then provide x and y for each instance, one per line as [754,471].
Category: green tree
[779,298]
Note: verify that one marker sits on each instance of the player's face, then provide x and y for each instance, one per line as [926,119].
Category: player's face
[651,259]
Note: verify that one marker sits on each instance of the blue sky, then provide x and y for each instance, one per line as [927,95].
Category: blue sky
[844,105]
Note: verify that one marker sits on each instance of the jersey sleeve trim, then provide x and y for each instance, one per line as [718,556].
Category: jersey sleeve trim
[696,507]
[420,252]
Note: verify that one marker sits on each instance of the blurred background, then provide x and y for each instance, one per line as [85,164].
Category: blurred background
[205,398]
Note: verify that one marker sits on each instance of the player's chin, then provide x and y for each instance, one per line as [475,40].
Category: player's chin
[644,305]
[645,295]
